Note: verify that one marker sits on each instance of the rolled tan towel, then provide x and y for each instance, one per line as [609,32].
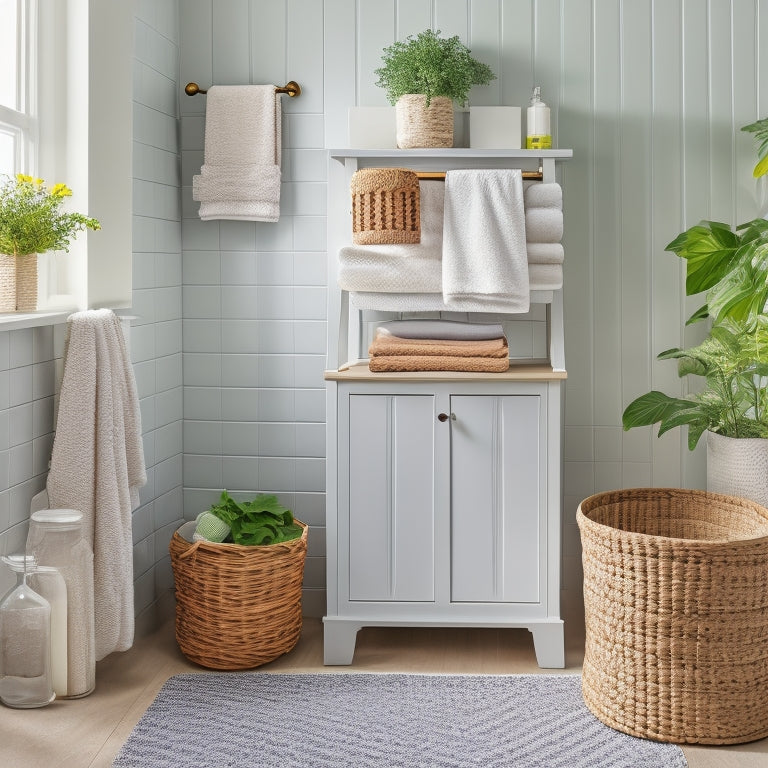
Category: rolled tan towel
[392,363]
[384,344]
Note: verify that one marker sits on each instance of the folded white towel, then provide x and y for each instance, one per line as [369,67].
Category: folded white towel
[97,464]
[549,195]
[240,177]
[484,254]
[544,225]
[453,330]
[544,253]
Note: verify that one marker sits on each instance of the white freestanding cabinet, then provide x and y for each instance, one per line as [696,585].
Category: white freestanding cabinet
[443,489]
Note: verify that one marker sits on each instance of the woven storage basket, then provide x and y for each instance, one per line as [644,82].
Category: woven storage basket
[676,603]
[385,206]
[237,607]
[26,282]
[7,283]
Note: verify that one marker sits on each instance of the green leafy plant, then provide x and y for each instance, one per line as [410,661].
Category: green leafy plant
[431,65]
[260,521]
[760,129]
[731,266]
[32,219]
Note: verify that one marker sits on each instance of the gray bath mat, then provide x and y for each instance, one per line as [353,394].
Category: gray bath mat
[266,720]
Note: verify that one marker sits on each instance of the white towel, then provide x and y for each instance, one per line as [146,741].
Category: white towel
[484,254]
[97,464]
[240,176]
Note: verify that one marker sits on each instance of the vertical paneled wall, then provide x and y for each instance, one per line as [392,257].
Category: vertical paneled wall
[156,332]
[650,95]
[254,297]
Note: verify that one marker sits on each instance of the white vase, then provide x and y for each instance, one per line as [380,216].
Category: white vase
[738,466]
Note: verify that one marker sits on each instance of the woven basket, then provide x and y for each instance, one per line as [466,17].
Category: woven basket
[420,126]
[385,206]
[7,283]
[237,607]
[26,282]
[676,603]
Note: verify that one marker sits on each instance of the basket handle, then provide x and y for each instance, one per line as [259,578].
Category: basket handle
[192,550]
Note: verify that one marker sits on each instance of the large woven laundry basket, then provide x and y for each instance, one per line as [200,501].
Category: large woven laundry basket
[237,607]
[676,602]
[385,206]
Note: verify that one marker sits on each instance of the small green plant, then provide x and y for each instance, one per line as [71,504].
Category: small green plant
[260,521]
[32,219]
[431,65]
[731,266]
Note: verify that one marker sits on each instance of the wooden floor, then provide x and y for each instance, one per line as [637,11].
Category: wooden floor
[88,732]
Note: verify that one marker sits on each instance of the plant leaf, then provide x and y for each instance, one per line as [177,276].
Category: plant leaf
[652,407]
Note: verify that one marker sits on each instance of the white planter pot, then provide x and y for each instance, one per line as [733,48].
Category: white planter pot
[738,467]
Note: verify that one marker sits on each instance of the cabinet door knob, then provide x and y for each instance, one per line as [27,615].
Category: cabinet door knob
[445,416]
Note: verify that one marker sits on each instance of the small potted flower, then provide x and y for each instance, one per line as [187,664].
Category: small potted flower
[423,76]
[32,221]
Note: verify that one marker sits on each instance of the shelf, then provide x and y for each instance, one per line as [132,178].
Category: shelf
[518,371]
[456,153]
[12,321]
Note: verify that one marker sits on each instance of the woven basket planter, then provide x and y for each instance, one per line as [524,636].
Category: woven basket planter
[676,603]
[237,607]
[7,283]
[385,206]
[26,282]
[420,126]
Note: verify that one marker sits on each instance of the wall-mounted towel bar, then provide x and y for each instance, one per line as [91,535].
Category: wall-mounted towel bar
[440,175]
[292,88]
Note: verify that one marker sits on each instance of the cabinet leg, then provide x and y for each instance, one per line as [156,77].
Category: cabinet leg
[549,644]
[339,641]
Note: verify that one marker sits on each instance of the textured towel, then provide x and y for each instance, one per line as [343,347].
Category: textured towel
[544,253]
[549,195]
[441,329]
[484,255]
[544,225]
[97,464]
[240,177]
[394,363]
[384,344]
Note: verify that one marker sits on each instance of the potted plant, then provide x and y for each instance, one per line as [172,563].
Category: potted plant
[32,221]
[731,266]
[423,76]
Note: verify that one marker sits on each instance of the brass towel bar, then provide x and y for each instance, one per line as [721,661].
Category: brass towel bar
[440,175]
[292,88]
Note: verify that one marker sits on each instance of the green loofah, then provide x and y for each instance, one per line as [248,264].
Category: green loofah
[211,528]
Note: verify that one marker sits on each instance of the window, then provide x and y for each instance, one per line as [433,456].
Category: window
[18,127]
[66,116]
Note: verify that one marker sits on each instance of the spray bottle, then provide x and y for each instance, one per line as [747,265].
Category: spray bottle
[538,134]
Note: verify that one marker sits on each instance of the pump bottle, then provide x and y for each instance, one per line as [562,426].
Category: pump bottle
[538,135]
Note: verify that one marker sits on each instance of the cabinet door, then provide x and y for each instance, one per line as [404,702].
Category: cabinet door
[495,498]
[391,497]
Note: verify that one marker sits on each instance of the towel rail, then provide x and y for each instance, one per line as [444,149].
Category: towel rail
[440,175]
[292,88]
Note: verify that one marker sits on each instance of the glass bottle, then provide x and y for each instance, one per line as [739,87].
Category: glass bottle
[50,584]
[57,539]
[25,642]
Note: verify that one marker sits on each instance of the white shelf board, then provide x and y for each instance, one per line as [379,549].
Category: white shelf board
[455,153]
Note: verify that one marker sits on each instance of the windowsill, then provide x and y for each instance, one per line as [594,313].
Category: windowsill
[11,321]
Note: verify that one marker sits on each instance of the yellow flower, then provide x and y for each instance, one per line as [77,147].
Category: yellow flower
[61,190]
[22,178]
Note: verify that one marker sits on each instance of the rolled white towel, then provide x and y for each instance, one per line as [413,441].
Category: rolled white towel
[452,330]
[543,225]
[545,253]
[544,196]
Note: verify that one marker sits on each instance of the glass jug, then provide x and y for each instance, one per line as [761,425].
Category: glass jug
[57,539]
[25,642]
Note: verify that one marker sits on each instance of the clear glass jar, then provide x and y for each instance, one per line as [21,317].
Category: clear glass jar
[50,584]
[25,642]
[56,538]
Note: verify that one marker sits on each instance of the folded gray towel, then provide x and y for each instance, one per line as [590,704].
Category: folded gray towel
[453,330]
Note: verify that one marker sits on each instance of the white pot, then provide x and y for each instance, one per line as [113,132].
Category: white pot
[738,466]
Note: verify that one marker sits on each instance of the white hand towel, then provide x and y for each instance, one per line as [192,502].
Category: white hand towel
[544,195]
[242,141]
[484,253]
[544,225]
[97,464]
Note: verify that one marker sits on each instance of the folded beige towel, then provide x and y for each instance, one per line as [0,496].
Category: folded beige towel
[393,345]
[97,464]
[392,363]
